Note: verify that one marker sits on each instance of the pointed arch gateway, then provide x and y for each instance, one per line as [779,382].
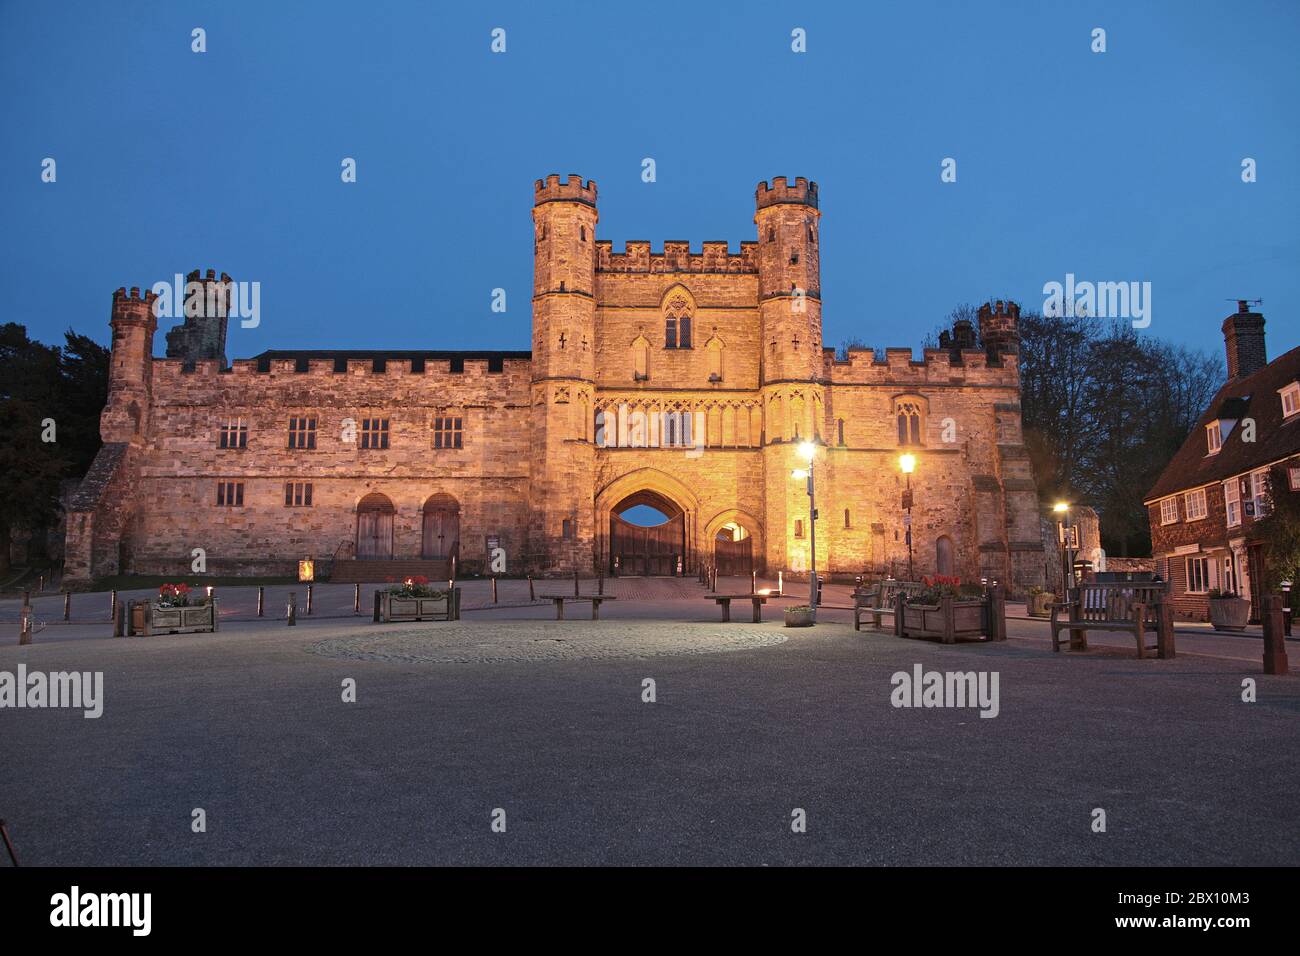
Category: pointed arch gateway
[640,546]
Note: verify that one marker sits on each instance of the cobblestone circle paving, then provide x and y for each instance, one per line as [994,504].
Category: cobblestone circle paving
[491,642]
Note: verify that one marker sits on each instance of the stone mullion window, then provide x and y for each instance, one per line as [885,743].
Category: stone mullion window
[374,433]
[297,494]
[448,431]
[302,433]
[233,434]
[230,494]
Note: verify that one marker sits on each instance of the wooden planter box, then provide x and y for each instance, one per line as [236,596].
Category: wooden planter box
[443,608]
[1230,613]
[1037,604]
[145,618]
[953,619]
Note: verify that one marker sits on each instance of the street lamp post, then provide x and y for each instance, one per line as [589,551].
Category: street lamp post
[808,451]
[908,464]
[1067,539]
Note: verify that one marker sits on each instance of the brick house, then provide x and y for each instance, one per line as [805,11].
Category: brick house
[1205,504]
[684,379]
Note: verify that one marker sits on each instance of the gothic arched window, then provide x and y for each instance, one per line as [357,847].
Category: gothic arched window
[909,413]
[677,320]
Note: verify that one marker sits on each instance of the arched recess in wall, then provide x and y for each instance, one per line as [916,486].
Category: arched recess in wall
[640,358]
[714,348]
[945,561]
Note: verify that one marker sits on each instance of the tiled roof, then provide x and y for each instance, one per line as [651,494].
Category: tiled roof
[1255,396]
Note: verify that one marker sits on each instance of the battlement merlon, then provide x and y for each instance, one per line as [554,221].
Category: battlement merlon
[802,193]
[572,189]
[134,307]
[676,256]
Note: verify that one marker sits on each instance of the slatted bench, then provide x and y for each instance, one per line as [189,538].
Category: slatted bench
[1137,609]
[559,600]
[879,600]
[724,600]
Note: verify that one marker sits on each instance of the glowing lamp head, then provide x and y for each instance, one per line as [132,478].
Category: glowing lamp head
[1061,507]
[798,474]
[806,450]
[907,463]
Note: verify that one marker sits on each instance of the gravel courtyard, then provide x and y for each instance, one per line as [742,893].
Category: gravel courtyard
[546,721]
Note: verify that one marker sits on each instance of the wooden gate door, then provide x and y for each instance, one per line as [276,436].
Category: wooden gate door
[735,559]
[374,534]
[638,550]
[441,533]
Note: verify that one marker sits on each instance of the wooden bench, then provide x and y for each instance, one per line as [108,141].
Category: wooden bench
[879,600]
[559,600]
[725,601]
[1133,608]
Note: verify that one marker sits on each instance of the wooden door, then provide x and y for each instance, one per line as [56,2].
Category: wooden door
[735,559]
[374,535]
[441,533]
[638,550]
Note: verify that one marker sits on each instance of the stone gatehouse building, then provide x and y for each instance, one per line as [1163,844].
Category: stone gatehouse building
[683,379]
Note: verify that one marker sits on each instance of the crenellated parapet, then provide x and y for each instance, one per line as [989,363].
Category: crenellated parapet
[900,366]
[677,256]
[571,189]
[781,192]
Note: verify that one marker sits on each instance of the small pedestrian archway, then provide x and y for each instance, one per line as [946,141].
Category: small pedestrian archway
[440,535]
[375,527]
[735,542]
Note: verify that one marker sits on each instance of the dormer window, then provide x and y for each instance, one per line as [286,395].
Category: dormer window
[1213,437]
[1290,399]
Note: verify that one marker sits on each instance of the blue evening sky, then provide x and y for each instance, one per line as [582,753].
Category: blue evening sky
[1117,166]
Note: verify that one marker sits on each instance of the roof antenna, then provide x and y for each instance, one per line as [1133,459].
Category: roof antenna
[1243,305]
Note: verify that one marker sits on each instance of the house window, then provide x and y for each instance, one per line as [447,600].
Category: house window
[839,429]
[909,423]
[1291,400]
[1198,575]
[1194,504]
[447,433]
[1168,510]
[684,332]
[1293,477]
[1258,504]
[847,523]
[1213,437]
[1232,502]
[230,494]
[566,528]
[1230,583]
[302,433]
[670,334]
[794,257]
[297,494]
[374,433]
[234,434]
[798,527]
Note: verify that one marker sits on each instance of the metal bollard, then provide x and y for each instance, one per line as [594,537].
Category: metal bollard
[377,605]
[112,606]
[293,609]
[531,595]
[261,600]
[24,625]
[40,584]
[494,590]
[309,587]
[575,583]
[356,600]
[67,605]
[753,582]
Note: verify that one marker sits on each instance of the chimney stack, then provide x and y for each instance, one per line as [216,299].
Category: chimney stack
[1243,340]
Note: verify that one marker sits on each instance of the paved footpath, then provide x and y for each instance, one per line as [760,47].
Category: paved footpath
[550,722]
